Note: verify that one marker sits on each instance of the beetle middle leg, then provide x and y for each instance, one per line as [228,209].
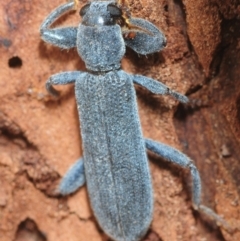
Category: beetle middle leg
[73,179]
[158,87]
[176,157]
[62,79]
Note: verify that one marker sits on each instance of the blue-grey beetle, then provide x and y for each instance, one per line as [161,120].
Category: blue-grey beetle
[114,163]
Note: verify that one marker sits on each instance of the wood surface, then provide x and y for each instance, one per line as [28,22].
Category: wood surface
[39,135]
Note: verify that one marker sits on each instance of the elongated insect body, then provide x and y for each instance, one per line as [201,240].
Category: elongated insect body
[114,164]
[116,168]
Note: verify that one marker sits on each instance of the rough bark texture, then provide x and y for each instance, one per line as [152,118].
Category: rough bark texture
[40,139]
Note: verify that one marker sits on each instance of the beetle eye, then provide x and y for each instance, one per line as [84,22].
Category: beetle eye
[84,9]
[114,10]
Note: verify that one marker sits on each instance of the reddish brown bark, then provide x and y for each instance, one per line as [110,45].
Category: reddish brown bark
[40,137]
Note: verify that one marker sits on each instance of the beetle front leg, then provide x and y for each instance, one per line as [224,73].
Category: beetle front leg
[177,157]
[73,179]
[62,79]
[158,87]
[148,38]
[66,37]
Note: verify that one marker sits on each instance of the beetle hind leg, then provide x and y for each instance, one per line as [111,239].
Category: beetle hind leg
[177,157]
[73,179]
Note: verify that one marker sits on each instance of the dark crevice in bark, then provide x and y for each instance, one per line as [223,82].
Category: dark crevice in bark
[29,231]
[5,131]
[194,90]
[13,132]
[30,161]
[226,39]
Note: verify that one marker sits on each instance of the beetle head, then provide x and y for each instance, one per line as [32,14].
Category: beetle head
[100,13]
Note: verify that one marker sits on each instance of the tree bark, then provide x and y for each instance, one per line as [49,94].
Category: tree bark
[39,136]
